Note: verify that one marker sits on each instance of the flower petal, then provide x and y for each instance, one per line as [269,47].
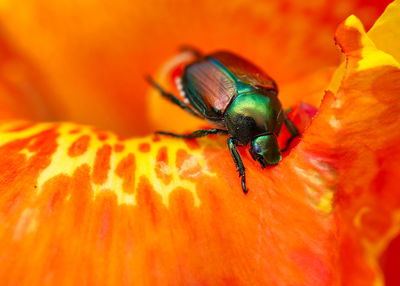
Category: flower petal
[81,206]
[78,205]
[385,32]
[363,120]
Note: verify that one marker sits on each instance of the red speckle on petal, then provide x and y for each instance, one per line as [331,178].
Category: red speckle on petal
[81,195]
[22,127]
[121,138]
[79,147]
[162,155]
[101,165]
[144,147]
[40,142]
[155,138]
[74,131]
[126,170]
[192,144]
[162,168]
[102,136]
[18,173]
[54,192]
[119,148]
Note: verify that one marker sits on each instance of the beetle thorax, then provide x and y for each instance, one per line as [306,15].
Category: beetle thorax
[252,114]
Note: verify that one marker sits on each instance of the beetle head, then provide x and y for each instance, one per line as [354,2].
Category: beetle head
[265,150]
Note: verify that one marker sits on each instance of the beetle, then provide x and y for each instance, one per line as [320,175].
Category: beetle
[239,99]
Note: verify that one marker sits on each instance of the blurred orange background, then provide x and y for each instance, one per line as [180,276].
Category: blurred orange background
[84,61]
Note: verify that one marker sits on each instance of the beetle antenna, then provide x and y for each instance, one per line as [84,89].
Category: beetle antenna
[149,79]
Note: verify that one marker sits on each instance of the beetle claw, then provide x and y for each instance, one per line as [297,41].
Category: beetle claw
[245,190]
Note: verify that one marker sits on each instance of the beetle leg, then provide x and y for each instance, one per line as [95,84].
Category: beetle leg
[287,111]
[292,129]
[195,134]
[238,162]
[171,97]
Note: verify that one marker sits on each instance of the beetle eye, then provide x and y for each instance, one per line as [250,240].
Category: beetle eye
[257,149]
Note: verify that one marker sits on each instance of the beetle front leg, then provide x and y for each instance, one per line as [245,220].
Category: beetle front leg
[292,129]
[238,162]
[196,134]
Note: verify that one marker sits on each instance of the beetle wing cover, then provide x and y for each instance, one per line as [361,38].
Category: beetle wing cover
[211,87]
[244,70]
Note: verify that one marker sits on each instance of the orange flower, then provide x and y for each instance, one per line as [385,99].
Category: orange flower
[83,206]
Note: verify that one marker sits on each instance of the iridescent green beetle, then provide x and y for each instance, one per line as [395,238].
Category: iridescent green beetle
[238,98]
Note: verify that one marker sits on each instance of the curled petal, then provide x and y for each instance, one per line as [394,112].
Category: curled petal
[385,33]
[361,122]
